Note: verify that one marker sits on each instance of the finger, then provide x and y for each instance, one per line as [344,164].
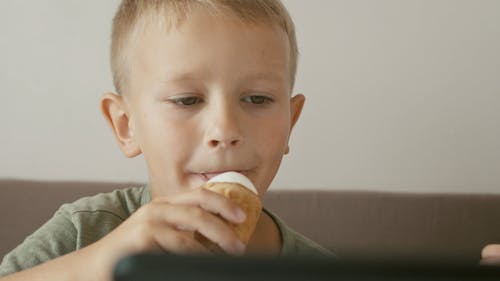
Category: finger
[178,242]
[208,225]
[194,218]
[490,251]
[212,202]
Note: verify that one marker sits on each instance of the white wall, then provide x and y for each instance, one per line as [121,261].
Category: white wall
[401,95]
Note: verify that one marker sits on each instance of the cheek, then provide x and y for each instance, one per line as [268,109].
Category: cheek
[166,144]
[273,139]
[271,150]
[171,144]
[169,147]
[161,132]
[274,135]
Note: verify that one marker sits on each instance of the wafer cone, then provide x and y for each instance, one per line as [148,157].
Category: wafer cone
[246,199]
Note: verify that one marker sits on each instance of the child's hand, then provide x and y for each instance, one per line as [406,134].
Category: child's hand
[168,224]
[490,255]
[165,224]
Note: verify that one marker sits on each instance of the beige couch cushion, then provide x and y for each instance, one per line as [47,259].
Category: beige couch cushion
[352,224]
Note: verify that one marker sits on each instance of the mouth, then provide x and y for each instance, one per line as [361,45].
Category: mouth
[206,176]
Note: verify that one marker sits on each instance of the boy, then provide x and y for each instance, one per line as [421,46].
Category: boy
[203,87]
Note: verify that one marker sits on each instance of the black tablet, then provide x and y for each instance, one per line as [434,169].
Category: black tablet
[163,267]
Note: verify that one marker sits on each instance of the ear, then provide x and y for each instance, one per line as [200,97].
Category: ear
[296,105]
[114,109]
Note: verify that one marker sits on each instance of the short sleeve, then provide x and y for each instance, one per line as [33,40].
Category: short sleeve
[55,238]
[74,226]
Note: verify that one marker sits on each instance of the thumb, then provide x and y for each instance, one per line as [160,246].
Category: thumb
[490,255]
[491,251]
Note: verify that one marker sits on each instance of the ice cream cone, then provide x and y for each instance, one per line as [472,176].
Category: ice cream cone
[240,190]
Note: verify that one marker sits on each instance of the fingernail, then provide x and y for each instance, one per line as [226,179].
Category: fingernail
[240,247]
[240,215]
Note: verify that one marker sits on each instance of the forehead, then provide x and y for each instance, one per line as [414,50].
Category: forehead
[205,45]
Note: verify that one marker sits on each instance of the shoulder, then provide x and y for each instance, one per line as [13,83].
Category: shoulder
[74,226]
[120,203]
[95,216]
[296,244]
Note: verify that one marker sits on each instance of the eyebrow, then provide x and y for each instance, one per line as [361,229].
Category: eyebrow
[267,76]
[182,76]
[194,76]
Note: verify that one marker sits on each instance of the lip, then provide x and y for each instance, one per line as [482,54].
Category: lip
[206,176]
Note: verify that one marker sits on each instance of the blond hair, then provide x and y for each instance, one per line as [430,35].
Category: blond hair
[168,13]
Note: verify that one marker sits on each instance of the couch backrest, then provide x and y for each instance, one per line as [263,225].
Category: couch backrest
[352,224]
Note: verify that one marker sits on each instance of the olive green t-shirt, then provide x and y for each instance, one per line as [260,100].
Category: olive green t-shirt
[88,219]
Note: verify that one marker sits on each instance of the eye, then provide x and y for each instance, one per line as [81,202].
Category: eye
[257,99]
[187,101]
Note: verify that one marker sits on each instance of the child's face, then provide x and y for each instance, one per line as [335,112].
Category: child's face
[207,97]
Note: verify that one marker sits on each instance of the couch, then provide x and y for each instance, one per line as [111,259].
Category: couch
[353,224]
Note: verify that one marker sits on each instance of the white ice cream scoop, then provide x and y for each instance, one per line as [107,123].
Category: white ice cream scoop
[235,177]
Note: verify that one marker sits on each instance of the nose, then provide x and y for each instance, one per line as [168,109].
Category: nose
[224,130]
[223,143]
